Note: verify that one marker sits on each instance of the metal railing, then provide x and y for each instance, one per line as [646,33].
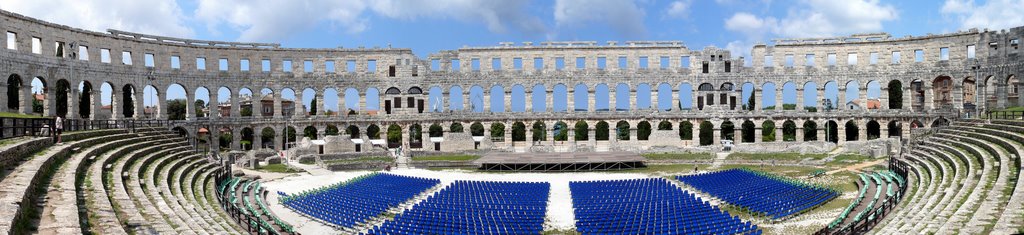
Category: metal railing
[45,127]
[1018,115]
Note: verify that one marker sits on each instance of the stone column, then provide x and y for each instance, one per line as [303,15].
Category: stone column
[528,107]
[929,97]
[214,105]
[97,104]
[841,102]
[278,110]
[758,135]
[214,138]
[161,108]
[633,100]
[612,102]
[138,104]
[778,100]
[3,98]
[236,138]
[800,99]
[883,97]
[256,104]
[862,130]
[820,131]
[841,134]
[717,135]
[72,104]
[50,102]
[320,111]
[235,108]
[300,107]
[821,94]
[466,102]
[190,106]
[799,132]
[487,102]
[279,139]
[862,93]
[1001,95]
[570,101]
[908,98]
[1020,97]
[507,101]
[592,101]
[550,101]
[757,100]
[695,133]
[115,104]
[342,106]
[257,138]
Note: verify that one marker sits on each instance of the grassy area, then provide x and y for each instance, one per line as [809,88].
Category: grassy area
[18,115]
[277,168]
[678,156]
[775,156]
[360,159]
[446,158]
[1013,109]
[848,159]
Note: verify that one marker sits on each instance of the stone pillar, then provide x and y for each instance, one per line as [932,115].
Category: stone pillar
[1020,97]
[821,131]
[592,101]
[300,107]
[717,135]
[236,138]
[320,111]
[72,104]
[279,112]
[343,107]
[115,104]
[799,132]
[138,104]
[466,102]
[570,101]
[256,104]
[235,108]
[161,109]
[487,102]
[257,138]
[214,105]
[612,102]
[842,99]
[550,101]
[1001,95]
[757,101]
[633,100]
[758,135]
[778,100]
[50,102]
[279,139]
[908,98]
[190,106]
[528,107]
[929,97]
[695,133]
[214,138]
[507,101]
[821,94]
[841,134]
[862,130]
[800,99]
[97,104]
[883,97]
[862,94]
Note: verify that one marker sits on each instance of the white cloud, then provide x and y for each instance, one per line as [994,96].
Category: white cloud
[160,17]
[817,18]
[276,20]
[740,48]
[994,14]
[679,9]
[625,17]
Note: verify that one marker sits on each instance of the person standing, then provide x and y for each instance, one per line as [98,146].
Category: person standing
[58,127]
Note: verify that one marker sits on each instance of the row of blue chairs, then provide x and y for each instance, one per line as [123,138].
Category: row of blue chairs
[475,207]
[353,202]
[762,193]
[648,206]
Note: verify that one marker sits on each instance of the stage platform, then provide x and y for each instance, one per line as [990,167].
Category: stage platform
[593,161]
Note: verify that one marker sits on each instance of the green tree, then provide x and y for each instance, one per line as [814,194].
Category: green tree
[352,131]
[582,131]
[664,126]
[685,130]
[312,107]
[476,129]
[394,135]
[267,135]
[290,134]
[37,106]
[748,131]
[561,131]
[498,130]
[750,103]
[199,106]
[62,98]
[789,131]
[540,132]
[331,130]
[373,132]
[309,132]
[436,130]
[707,133]
[225,140]
[643,130]
[601,131]
[246,111]
[728,131]
[895,94]
[415,133]
[518,131]
[176,109]
[811,131]
[455,128]
[768,131]
[622,130]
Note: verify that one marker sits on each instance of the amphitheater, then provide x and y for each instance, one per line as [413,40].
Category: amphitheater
[879,135]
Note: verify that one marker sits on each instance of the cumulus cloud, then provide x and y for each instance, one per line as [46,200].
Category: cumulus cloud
[679,9]
[625,17]
[818,18]
[498,15]
[160,17]
[994,14]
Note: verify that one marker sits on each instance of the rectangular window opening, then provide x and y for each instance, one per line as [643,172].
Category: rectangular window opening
[200,63]
[456,65]
[243,65]
[149,60]
[918,55]
[105,55]
[371,66]
[684,62]
[496,64]
[643,62]
[895,57]
[663,62]
[623,62]
[602,62]
[222,64]
[789,61]
[175,62]
[851,59]
[581,63]
[769,61]
[350,66]
[37,45]
[944,53]
[58,49]
[474,64]
[559,63]
[538,63]
[286,66]
[970,52]
[831,59]
[265,65]
[329,66]
[83,53]
[874,58]
[12,40]
[126,57]
[809,60]
[517,63]
[435,65]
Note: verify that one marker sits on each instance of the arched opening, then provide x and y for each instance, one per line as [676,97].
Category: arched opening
[970,91]
[331,130]
[455,102]
[310,132]
[601,98]
[224,107]
[518,131]
[685,130]
[560,98]
[415,135]
[128,101]
[917,92]
[895,93]
[1013,92]
[177,104]
[832,132]
[748,96]
[643,96]
[895,128]
[539,96]
[728,131]
[664,97]
[832,96]
[810,131]
[288,105]
[768,96]
[455,127]
[476,99]
[789,96]
[290,135]
[707,132]
[247,138]
[85,100]
[874,92]
[940,122]
[225,138]
[267,102]
[540,131]
[581,98]
[852,96]
[622,130]
[151,102]
[435,131]
[107,96]
[561,131]
[622,97]
[497,132]
[664,126]
[874,130]
[643,130]
[62,97]
[40,103]
[14,85]
[353,132]
[309,102]
[852,131]
[747,129]
[582,131]
[517,99]
[476,129]
[768,131]
[810,97]
[497,99]
[601,131]
[394,136]
[352,101]
[330,104]
[942,92]
[373,99]
[393,91]
[789,131]
[373,132]
[686,97]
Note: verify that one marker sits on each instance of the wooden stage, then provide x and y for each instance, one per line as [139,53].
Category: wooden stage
[589,161]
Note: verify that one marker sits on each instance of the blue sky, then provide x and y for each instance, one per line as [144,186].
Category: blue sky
[430,26]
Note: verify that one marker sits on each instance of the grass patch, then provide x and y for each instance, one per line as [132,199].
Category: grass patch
[776,156]
[560,232]
[277,168]
[678,156]
[359,160]
[1012,109]
[446,158]
[19,115]
[848,159]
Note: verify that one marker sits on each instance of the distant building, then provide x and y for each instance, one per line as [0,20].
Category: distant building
[857,104]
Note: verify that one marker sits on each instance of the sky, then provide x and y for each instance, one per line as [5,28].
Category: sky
[430,26]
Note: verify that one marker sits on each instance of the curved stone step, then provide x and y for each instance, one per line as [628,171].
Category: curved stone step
[99,200]
[133,215]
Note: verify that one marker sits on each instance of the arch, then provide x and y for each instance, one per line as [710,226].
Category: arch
[810,96]
[435,130]
[415,90]
[247,138]
[852,94]
[643,130]
[85,100]
[392,91]
[476,129]
[288,105]
[151,98]
[622,97]
[810,131]
[706,87]
[747,131]
[353,132]
[707,133]
[455,127]
[416,135]
[1013,91]
[394,136]
[788,131]
[874,93]
[435,99]
[747,98]
[874,130]
[602,98]
[789,96]
[266,99]
[916,124]
[581,98]
[352,100]
[14,86]
[224,96]
[643,96]
[518,131]
[128,101]
[768,96]
[497,132]
[622,130]
[539,96]
[990,95]
[497,94]
[517,99]
[201,101]
[832,96]
[895,128]
[330,105]
[940,122]
[560,131]
[62,97]
[373,132]
[476,99]
[728,131]
[539,131]
[685,96]
[664,126]
[970,91]
[40,103]
[768,131]
[560,98]
[267,137]
[226,138]
[852,131]
[917,93]
[727,86]
[942,92]
[290,136]
[581,131]
[685,130]
[894,91]
[372,99]
[309,102]
[665,97]
[310,132]
[455,101]
[176,100]
[331,130]
[601,131]
[832,131]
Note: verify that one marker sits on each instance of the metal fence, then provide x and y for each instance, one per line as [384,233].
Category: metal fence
[1018,115]
[45,127]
